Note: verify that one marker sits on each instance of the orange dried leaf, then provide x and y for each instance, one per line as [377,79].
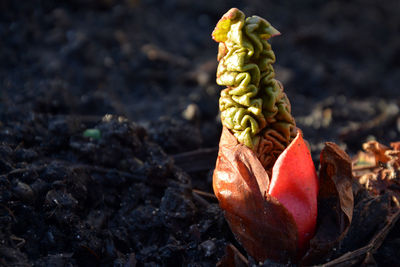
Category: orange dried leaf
[378,150]
[379,178]
[395,146]
[364,160]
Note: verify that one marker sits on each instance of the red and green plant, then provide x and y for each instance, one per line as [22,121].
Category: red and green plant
[265,179]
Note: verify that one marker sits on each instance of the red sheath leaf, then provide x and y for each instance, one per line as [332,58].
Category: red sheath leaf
[295,184]
[262,225]
[335,203]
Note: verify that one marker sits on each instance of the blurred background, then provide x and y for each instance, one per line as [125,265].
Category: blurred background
[155,62]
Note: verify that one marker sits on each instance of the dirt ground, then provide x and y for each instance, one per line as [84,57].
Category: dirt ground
[142,72]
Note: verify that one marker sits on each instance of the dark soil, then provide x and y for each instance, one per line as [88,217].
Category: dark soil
[138,194]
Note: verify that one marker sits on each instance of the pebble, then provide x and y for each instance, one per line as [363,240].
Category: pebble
[59,198]
[208,247]
[25,154]
[191,112]
[24,192]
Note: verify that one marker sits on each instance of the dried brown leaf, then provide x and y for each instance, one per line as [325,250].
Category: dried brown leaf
[395,146]
[363,161]
[379,178]
[335,203]
[378,150]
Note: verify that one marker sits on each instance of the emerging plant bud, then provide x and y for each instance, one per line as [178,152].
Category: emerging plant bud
[264,178]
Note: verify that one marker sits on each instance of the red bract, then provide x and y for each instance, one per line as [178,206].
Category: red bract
[295,184]
[272,219]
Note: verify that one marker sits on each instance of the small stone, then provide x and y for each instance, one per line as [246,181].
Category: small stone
[39,186]
[59,198]
[191,112]
[24,192]
[108,62]
[26,155]
[208,247]
[203,78]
